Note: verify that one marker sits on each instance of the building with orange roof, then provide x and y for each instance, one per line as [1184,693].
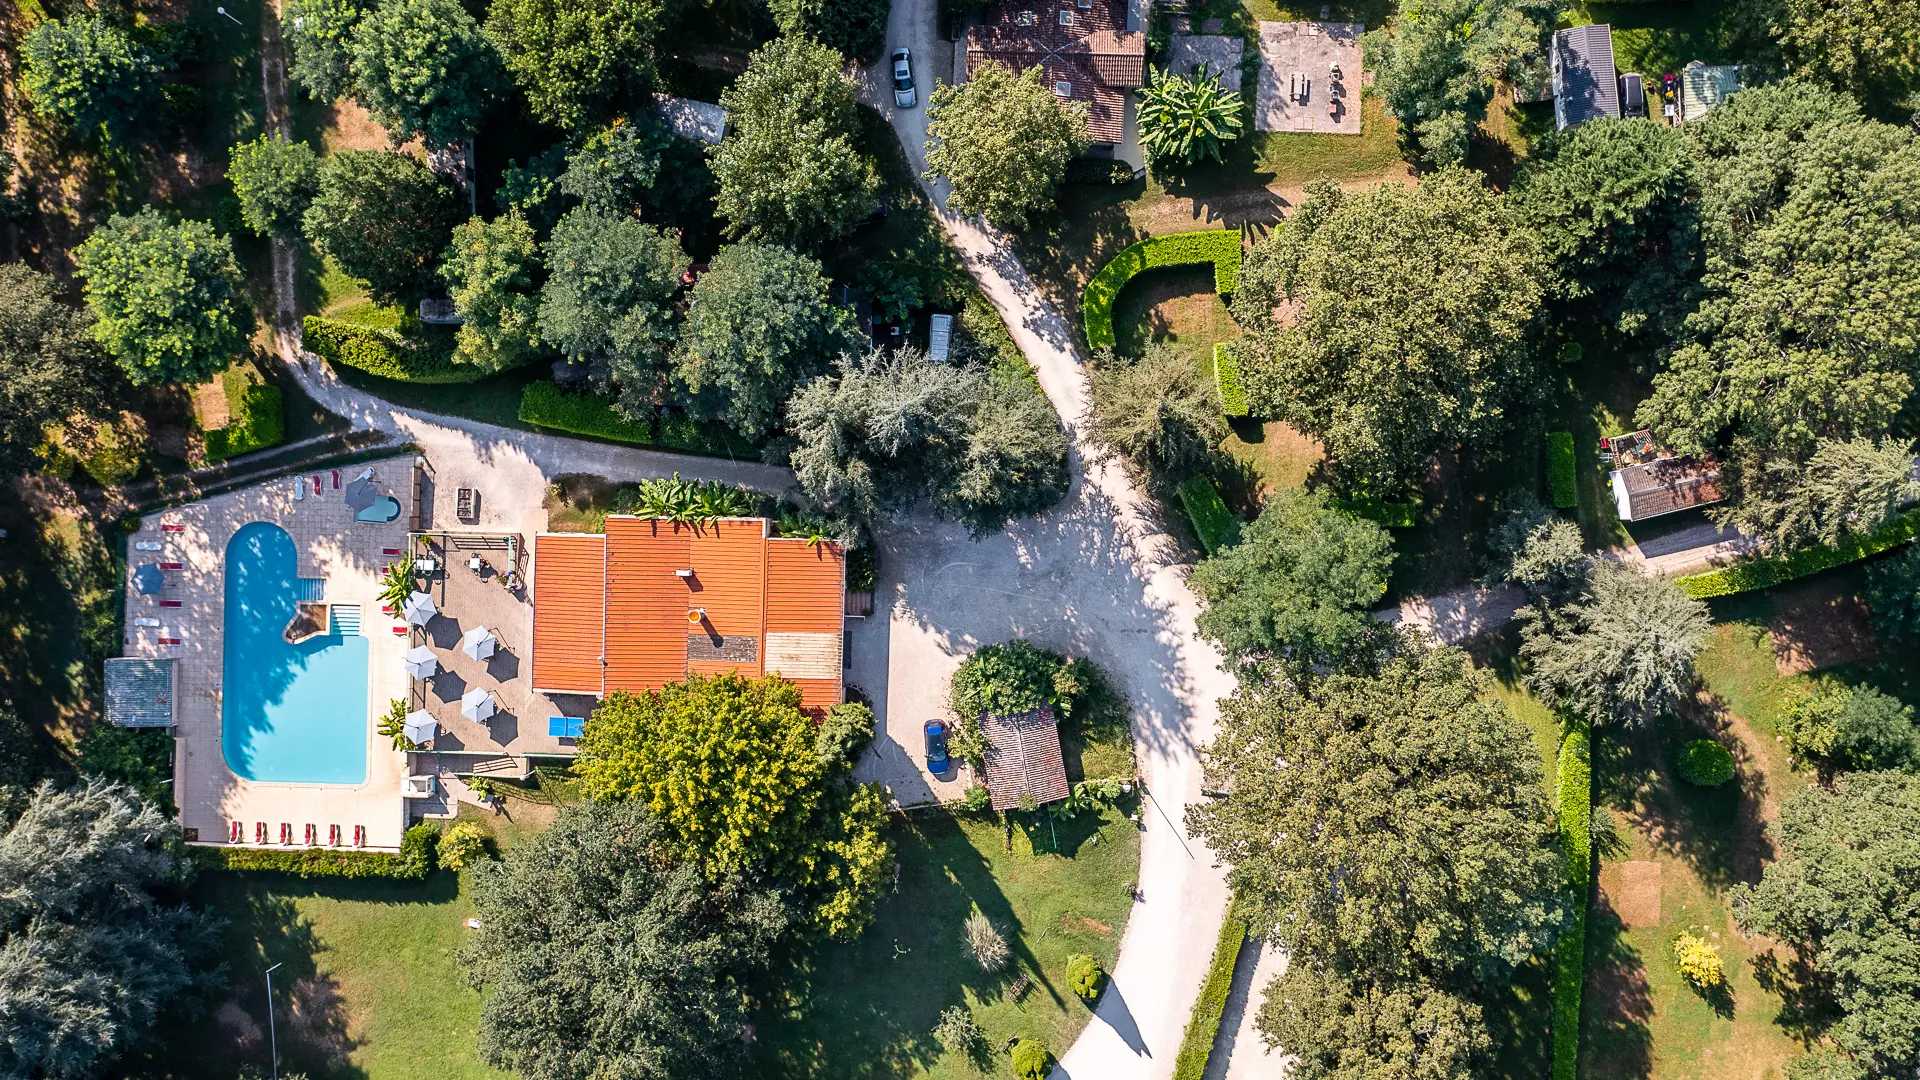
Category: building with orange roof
[652,601]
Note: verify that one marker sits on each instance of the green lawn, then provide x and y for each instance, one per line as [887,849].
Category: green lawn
[867,1009]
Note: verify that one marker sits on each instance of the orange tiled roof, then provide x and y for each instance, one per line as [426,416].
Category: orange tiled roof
[611,613]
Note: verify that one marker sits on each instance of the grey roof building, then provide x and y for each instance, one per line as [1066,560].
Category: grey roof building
[1586,85]
[139,691]
[1024,764]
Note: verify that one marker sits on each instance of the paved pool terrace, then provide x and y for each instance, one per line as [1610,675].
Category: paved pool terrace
[276,756]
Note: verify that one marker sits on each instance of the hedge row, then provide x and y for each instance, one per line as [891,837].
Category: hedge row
[1387,515]
[1221,247]
[414,860]
[256,421]
[1226,375]
[1574,791]
[1196,1046]
[1765,572]
[1213,523]
[1562,470]
[546,405]
[415,353]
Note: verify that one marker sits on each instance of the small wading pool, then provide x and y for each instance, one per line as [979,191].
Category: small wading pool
[289,713]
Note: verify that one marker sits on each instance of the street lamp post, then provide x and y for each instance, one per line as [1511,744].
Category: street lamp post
[229,15]
[273,1039]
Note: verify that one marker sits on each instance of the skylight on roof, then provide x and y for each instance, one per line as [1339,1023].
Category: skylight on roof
[1024,18]
[1066,17]
[1063,88]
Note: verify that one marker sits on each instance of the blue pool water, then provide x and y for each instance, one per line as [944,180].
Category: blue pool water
[290,713]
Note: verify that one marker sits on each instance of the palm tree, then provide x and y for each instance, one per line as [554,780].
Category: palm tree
[394,726]
[1187,119]
[398,584]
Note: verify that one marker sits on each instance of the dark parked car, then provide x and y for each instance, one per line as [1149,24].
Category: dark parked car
[936,732]
[903,92]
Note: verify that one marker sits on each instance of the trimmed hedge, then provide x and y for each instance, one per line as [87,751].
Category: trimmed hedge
[256,421]
[414,860]
[1705,763]
[1226,376]
[1212,521]
[415,353]
[1221,247]
[1768,571]
[1562,471]
[1387,515]
[544,404]
[1196,1046]
[1574,792]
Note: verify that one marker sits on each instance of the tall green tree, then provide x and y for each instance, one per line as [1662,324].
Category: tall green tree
[1812,291]
[384,218]
[857,28]
[1893,594]
[606,953]
[1422,798]
[166,297]
[790,170]
[49,362]
[1158,412]
[319,34]
[275,181]
[580,63]
[1622,653]
[1436,62]
[94,942]
[608,302]
[1845,487]
[1615,204]
[1186,118]
[88,72]
[1392,323]
[730,767]
[423,68]
[1868,47]
[1003,141]
[1298,585]
[1014,463]
[1845,891]
[489,271]
[758,326]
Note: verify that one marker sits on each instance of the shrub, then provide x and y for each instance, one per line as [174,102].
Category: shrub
[678,431]
[544,404]
[1087,170]
[1699,961]
[412,863]
[141,758]
[1221,247]
[1196,1046]
[687,501]
[1226,375]
[1768,571]
[984,942]
[1562,470]
[1705,763]
[1084,975]
[1574,792]
[958,1032]
[1570,353]
[1031,1060]
[417,848]
[844,735]
[1213,523]
[414,352]
[977,800]
[463,845]
[257,419]
[1893,595]
[1011,677]
[1387,515]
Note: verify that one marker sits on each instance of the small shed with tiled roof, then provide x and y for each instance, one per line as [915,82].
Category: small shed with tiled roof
[1024,766]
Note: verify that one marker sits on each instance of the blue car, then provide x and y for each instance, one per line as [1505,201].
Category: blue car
[936,732]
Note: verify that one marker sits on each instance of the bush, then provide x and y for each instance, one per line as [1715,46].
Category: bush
[984,942]
[977,800]
[1084,975]
[1574,792]
[138,757]
[463,845]
[1226,375]
[414,352]
[1031,1061]
[1196,1046]
[678,431]
[1089,170]
[1570,353]
[1221,247]
[1213,523]
[412,863]
[844,735]
[1699,961]
[1011,677]
[544,404]
[1768,571]
[1562,471]
[1387,515]
[257,419]
[1705,763]
[1893,595]
[958,1032]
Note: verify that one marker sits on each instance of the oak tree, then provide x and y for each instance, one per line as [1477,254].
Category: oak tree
[166,297]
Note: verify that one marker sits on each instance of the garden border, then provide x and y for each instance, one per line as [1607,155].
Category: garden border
[1573,796]
[1203,1027]
[1221,247]
[1767,571]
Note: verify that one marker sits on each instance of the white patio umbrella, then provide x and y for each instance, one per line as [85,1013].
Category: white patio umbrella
[421,727]
[476,704]
[478,643]
[419,609]
[421,663]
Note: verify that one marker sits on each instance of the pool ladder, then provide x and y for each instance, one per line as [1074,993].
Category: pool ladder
[309,590]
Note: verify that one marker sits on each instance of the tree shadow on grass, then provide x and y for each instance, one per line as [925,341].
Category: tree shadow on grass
[1616,1016]
[1717,831]
[1807,1005]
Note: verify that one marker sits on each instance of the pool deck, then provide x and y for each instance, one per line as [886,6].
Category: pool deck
[330,544]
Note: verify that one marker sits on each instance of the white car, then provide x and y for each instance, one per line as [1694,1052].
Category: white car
[903,92]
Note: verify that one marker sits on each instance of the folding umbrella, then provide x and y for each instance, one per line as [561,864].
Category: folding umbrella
[360,494]
[478,643]
[419,609]
[148,578]
[421,663]
[476,704]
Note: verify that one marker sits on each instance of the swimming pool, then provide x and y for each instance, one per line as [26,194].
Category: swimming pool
[289,713]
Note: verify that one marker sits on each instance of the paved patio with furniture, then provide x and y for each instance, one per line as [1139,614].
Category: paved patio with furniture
[1297,81]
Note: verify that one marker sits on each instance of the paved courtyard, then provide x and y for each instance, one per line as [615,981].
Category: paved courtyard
[1311,49]
[1219,52]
